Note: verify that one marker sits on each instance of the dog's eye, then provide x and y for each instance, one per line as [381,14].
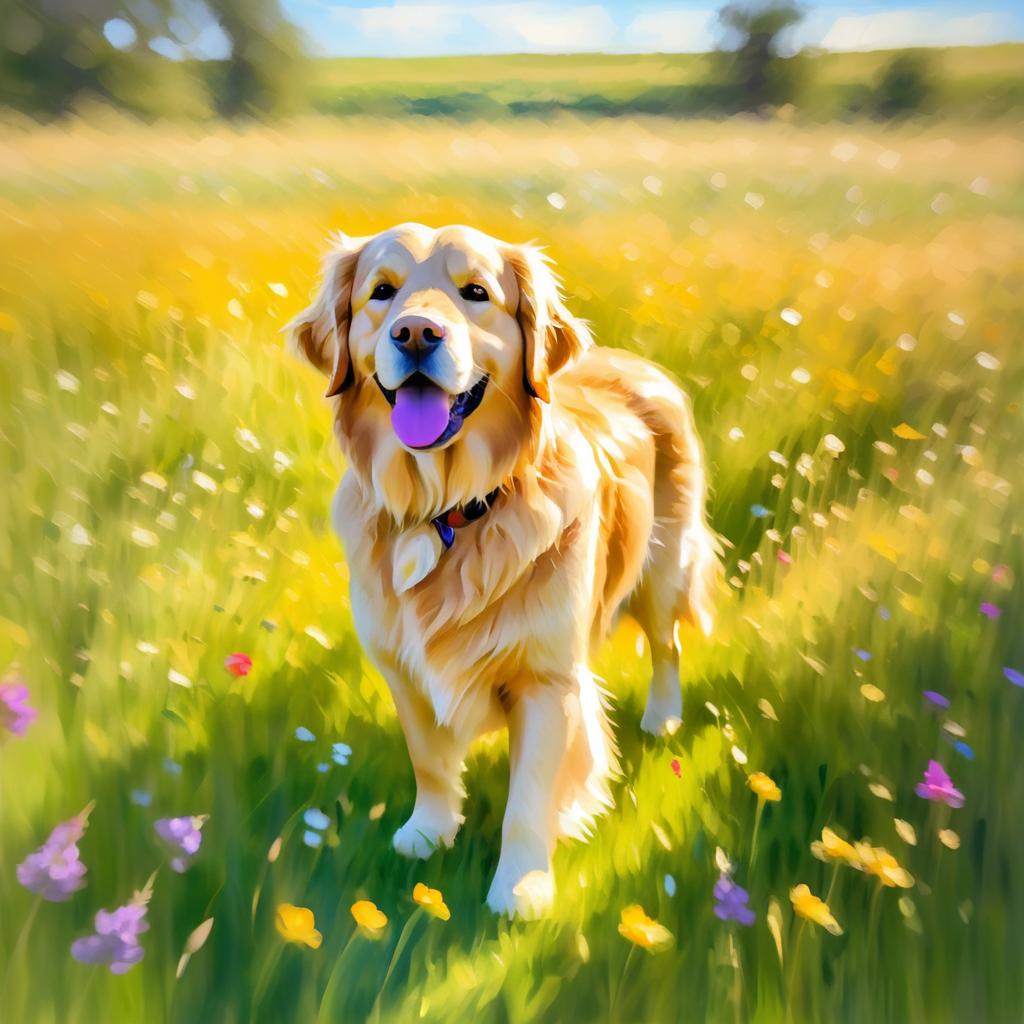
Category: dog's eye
[474,293]
[383,291]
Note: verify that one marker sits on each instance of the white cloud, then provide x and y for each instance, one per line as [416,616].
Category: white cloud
[406,29]
[917,27]
[545,28]
[672,31]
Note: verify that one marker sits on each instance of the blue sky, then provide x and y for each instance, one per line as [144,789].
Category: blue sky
[435,27]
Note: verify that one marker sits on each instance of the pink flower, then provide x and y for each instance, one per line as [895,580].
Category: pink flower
[15,714]
[784,558]
[938,786]
[238,664]
[676,769]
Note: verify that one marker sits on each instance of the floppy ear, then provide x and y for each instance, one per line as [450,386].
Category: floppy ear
[320,333]
[552,336]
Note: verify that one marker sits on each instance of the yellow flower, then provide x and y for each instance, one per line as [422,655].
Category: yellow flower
[295,924]
[806,904]
[643,930]
[832,847]
[431,900]
[764,787]
[883,865]
[368,916]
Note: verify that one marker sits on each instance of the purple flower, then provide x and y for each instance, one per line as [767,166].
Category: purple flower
[183,837]
[990,610]
[1013,676]
[15,714]
[55,871]
[116,940]
[939,786]
[732,902]
[936,698]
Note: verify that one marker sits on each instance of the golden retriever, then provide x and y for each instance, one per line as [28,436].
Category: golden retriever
[510,486]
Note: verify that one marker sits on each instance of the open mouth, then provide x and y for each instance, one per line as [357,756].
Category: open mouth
[424,415]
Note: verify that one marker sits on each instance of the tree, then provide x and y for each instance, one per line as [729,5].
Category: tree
[261,75]
[757,71]
[907,85]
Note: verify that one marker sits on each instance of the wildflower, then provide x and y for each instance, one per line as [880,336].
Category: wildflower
[832,847]
[312,839]
[315,818]
[732,902]
[644,931]
[431,900]
[809,906]
[296,924]
[55,870]
[759,511]
[368,916]
[340,753]
[303,735]
[937,699]
[183,837]
[15,714]
[990,610]
[938,786]
[171,766]
[670,886]
[764,787]
[141,797]
[676,768]
[238,664]
[964,749]
[884,866]
[115,942]
[1013,676]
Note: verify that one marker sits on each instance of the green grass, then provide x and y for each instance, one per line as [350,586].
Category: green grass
[979,81]
[141,264]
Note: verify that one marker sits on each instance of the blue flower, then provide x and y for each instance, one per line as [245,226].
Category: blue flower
[340,753]
[171,767]
[862,654]
[964,748]
[731,902]
[312,839]
[304,735]
[670,885]
[323,767]
[315,818]
[141,798]
[759,512]
[1013,676]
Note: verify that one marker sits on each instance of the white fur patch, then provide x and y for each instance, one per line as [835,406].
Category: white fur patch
[416,554]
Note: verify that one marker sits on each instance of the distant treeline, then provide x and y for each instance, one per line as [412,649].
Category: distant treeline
[60,56]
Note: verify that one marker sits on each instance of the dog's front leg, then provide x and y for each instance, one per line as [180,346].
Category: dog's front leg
[539,724]
[437,753]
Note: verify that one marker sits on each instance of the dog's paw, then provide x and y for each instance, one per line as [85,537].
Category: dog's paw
[663,715]
[423,833]
[528,898]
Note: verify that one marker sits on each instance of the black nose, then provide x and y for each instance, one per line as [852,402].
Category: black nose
[417,334]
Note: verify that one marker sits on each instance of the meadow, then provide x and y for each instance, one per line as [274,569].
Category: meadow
[844,304]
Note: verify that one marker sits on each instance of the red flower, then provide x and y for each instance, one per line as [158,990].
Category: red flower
[675,767]
[238,664]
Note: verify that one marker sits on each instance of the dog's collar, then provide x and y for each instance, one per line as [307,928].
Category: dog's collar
[461,515]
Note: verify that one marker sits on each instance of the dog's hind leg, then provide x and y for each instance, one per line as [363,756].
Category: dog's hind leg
[682,564]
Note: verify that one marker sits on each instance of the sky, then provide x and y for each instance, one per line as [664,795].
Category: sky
[406,28]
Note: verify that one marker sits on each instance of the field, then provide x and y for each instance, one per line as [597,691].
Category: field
[844,304]
[971,82]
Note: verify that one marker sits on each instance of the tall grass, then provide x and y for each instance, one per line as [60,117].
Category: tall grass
[167,469]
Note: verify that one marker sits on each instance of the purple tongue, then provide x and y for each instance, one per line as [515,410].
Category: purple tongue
[420,415]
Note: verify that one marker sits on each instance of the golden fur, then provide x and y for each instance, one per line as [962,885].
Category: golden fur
[601,507]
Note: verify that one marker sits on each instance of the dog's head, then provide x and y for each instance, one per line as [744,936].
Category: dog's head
[438,344]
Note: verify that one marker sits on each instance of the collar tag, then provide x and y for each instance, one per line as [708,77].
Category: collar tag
[461,515]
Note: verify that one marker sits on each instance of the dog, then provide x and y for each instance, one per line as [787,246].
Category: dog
[510,486]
